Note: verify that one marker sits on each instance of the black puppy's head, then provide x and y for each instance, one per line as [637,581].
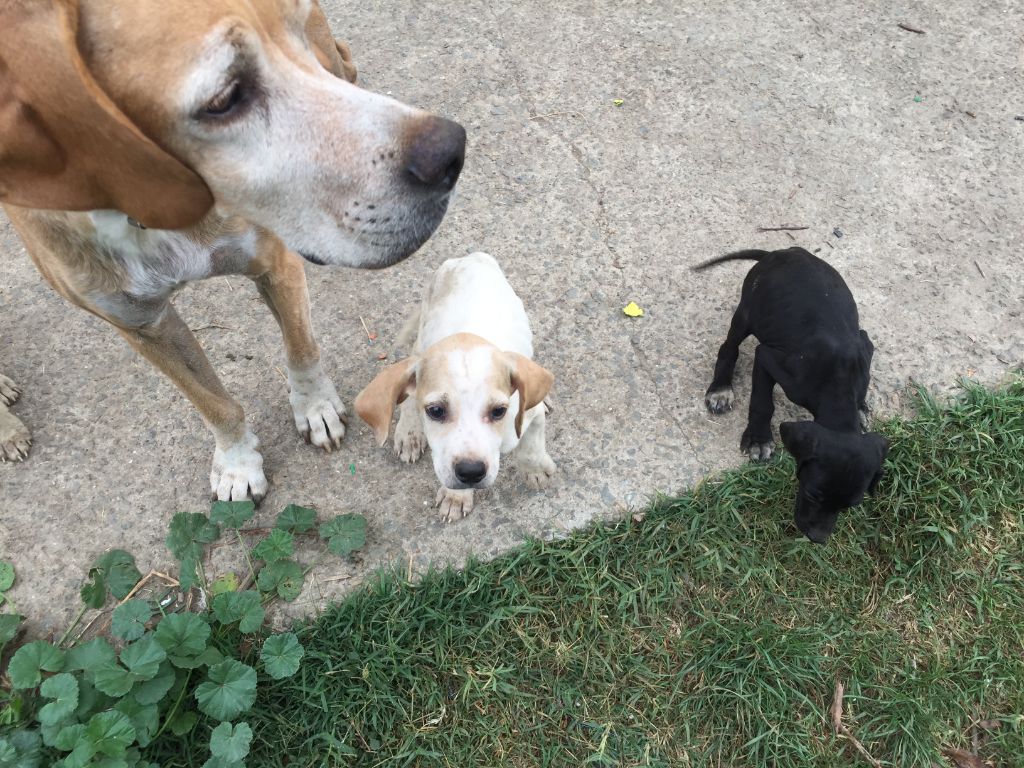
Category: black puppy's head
[834,470]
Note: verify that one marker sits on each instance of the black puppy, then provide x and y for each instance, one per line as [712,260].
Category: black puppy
[805,318]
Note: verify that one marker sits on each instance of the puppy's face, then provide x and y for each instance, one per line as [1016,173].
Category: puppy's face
[234,89]
[835,470]
[471,398]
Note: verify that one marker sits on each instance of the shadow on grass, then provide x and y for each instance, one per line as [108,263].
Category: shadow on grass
[710,633]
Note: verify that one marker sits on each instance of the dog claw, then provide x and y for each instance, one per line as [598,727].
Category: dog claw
[453,504]
[719,401]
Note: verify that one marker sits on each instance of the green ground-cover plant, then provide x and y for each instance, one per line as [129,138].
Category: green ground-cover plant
[100,703]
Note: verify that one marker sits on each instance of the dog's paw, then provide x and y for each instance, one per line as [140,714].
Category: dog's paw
[720,400]
[453,504]
[756,449]
[865,418]
[9,391]
[319,413]
[538,474]
[15,439]
[237,472]
[410,442]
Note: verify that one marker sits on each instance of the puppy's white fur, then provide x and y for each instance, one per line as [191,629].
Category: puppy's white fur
[473,344]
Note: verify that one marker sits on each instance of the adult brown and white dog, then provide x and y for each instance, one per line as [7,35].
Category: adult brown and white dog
[149,143]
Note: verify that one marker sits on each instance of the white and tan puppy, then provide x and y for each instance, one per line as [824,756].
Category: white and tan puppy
[470,390]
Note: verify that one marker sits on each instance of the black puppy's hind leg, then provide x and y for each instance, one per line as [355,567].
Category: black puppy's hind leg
[720,395]
[757,439]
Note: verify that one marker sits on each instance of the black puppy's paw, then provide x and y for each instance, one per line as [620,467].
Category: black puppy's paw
[720,400]
[865,418]
[757,449]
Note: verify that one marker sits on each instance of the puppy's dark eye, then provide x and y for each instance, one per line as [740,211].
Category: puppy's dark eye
[224,102]
[437,412]
[498,413]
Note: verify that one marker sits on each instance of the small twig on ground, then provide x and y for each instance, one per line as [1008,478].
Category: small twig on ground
[554,114]
[782,228]
[790,236]
[980,270]
[909,28]
[370,336]
[841,729]
[283,374]
[211,325]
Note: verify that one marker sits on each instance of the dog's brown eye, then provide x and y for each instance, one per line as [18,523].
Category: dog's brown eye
[437,412]
[498,413]
[225,101]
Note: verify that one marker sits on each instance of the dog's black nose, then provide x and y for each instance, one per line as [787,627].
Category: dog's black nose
[435,152]
[470,472]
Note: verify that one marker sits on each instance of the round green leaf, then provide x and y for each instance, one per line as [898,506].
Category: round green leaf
[9,623]
[284,577]
[69,736]
[145,719]
[129,619]
[152,691]
[344,534]
[27,745]
[232,514]
[143,657]
[110,733]
[6,575]
[230,744]
[244,607]
[120,572]
[63,689]
[188,532]
[183,722]
[112,679]
[229,690]
[281,655]
[296,519]
[227,582]
[94,591]
[88,656]
[183,634]
[28,662]
[277,546]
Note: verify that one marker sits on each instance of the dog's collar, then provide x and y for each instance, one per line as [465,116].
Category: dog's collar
[137,224]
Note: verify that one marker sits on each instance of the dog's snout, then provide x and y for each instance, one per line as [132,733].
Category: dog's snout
[470,472]
[435,153]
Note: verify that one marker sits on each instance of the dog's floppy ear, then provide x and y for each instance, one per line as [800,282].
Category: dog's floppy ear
[531,381]
[333,55]
[800,438]
[64,144]
[377,402]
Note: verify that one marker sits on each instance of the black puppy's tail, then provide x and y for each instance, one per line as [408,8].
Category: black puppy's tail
[752,255]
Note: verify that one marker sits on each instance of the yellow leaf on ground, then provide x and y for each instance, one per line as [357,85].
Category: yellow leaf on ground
[632,310]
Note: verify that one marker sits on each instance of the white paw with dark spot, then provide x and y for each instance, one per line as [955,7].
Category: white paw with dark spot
[410,442]
[720,401]
[760,451]
[538,474]
[319,413]
[15,439]
[453,504]
[237,472]
[9,391]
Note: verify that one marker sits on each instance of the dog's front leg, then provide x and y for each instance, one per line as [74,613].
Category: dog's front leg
[15,439]
[168,344]
[317,408]
[757,437]
[531,454]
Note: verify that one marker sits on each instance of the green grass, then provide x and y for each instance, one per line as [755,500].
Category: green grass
[709,634]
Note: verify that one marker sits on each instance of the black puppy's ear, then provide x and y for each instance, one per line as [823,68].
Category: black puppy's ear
[800,438]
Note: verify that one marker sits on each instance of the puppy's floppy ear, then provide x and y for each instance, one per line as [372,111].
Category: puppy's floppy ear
[333,55]
[377,402]
[64,144]
[800,438]
[531,381]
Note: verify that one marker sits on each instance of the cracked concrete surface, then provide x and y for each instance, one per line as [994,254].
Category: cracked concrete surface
[732,116]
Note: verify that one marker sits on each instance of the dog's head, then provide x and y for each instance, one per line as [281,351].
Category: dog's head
[162,110]
[471,398]
[834,470]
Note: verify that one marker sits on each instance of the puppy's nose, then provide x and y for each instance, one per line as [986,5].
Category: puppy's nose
[435,152]
[470,472]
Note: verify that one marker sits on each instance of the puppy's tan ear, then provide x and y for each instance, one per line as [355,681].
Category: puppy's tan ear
[64,144]
[333,55]
[531,381]
[377,402]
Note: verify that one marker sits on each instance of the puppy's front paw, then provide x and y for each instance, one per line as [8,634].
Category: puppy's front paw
[759,449]
[237,472]
[865,418]
[720,400]
[453,504]
[538,474]
[410,442]
[319,413]
[15,439]
[9,391]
